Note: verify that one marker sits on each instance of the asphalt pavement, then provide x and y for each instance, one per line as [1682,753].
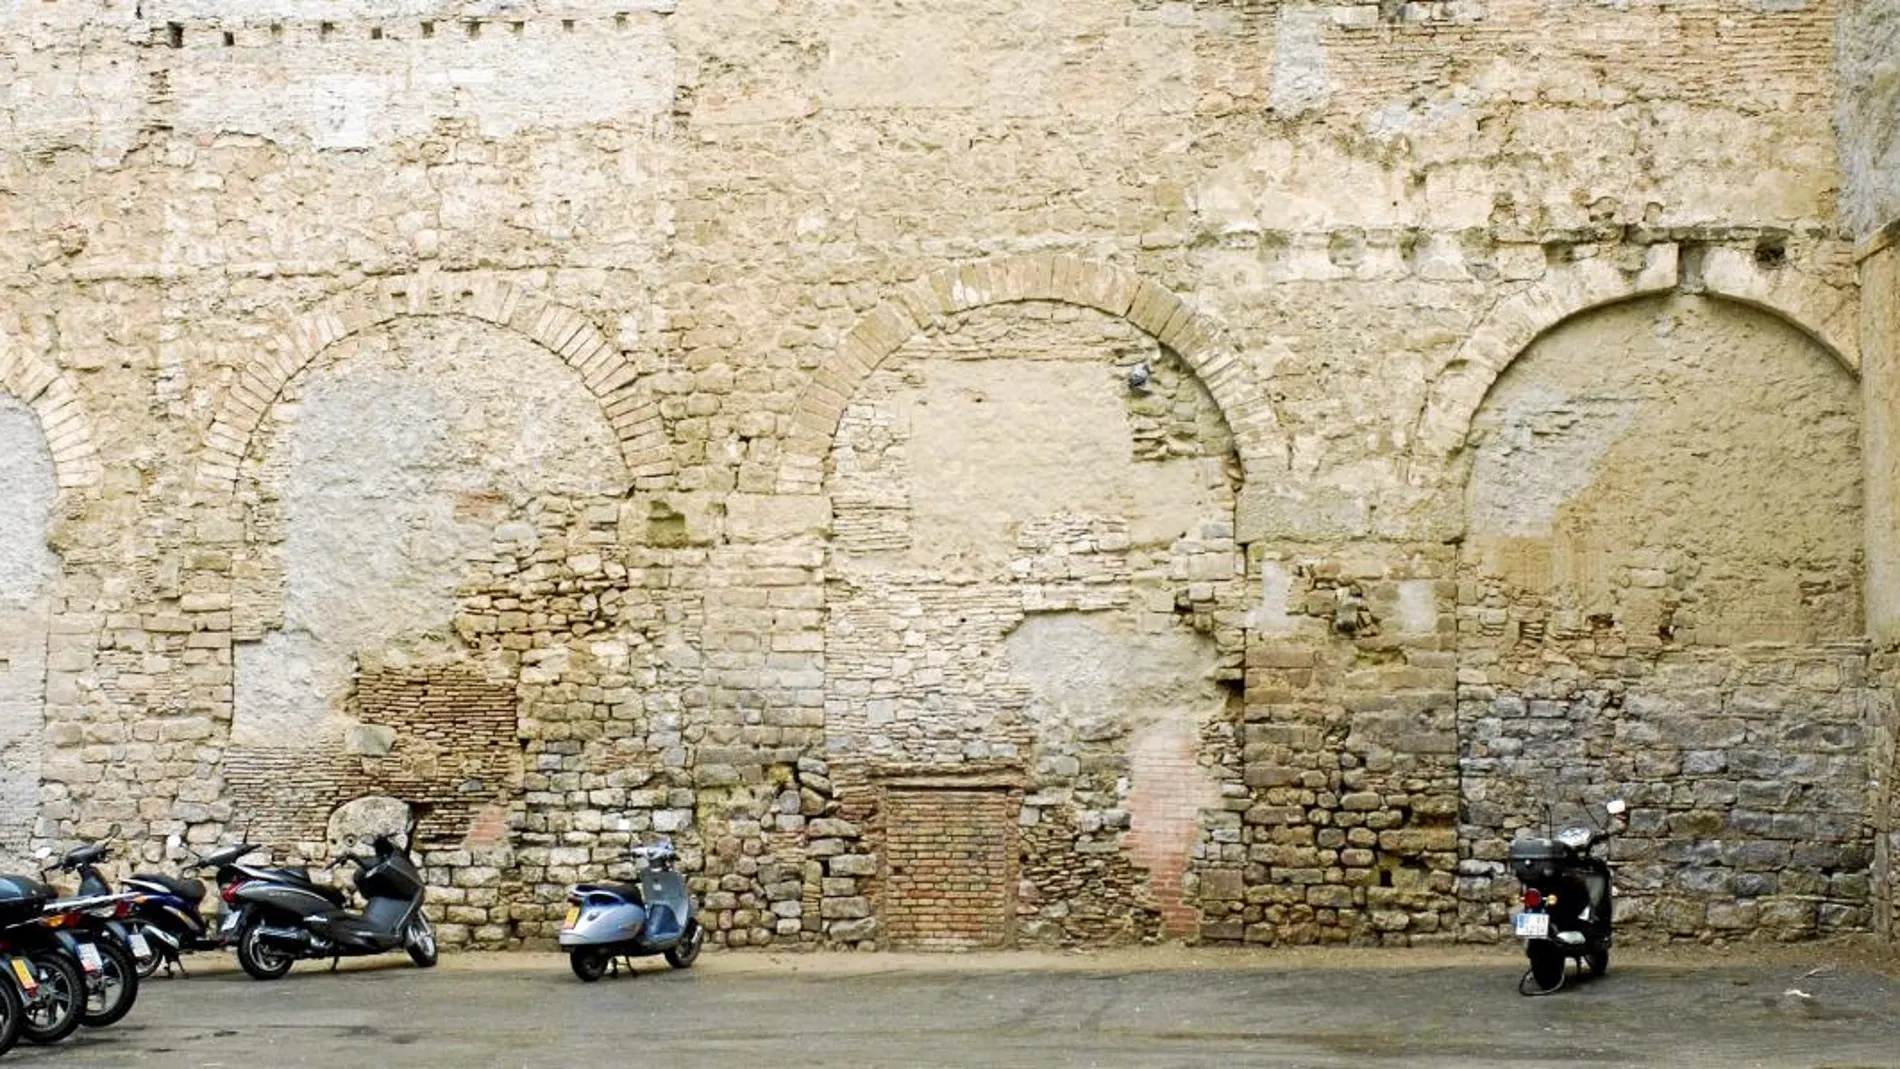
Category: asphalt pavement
[1173,1009]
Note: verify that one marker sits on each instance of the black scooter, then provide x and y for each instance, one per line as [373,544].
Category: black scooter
[283,915]
[1567,902]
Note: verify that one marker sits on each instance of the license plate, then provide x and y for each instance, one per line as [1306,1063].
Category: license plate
[24,973]
[90,959]
[1533,925]
[140,947]
[230,922]
[573,916]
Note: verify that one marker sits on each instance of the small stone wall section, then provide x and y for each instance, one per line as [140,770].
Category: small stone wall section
[442,740]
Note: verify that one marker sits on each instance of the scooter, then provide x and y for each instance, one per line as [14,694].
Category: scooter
[1567,902]
[92,885]
[19,985]
[52,981]
[606,921]
[283,915]
[167,916]
[91,928]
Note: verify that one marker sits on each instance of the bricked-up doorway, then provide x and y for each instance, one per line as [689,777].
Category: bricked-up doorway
[950,863]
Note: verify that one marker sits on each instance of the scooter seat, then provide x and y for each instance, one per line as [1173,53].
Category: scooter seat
[297,874]
[191,891]
[628,891]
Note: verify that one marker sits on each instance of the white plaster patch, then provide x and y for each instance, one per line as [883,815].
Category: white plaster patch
[1868,115]
[27,567]
[1686,466]
[403,457]
[1418,608]
[1081,668]
[996,442]
[1300,81]
[291,92]
[27,491]
[933,59]
[23,635]
[1542,447]
[1276,592]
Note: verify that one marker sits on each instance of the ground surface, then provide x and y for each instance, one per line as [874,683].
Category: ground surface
[1176,1008]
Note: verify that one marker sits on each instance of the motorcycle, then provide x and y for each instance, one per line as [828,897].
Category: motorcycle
[1567,902]
[283,915]
[606,921]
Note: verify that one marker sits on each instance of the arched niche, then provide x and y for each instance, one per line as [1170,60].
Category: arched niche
[1660,597]
[1033,566]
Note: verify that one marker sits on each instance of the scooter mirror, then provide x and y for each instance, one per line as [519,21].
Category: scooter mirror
[1616,807]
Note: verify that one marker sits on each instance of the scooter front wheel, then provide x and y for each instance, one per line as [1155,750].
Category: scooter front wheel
[421,942]
[54,1014]
[686,951]
[259,958]
[12,1012]
[589,963]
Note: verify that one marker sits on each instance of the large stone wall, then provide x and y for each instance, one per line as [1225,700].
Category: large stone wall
[1226,465]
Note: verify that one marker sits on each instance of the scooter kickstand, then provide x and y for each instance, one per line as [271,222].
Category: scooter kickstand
[334,962]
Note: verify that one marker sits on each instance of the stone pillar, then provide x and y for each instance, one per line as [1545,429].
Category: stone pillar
[1880,444]
[1880,448]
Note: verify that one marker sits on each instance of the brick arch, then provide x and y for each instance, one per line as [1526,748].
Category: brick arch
[1040,277]
[54,397]
[1823,313]
[566,333]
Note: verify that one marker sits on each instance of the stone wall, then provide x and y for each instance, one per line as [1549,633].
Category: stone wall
[1261,447]
[1868,115]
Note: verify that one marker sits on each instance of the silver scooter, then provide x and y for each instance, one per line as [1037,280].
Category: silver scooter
[606,921]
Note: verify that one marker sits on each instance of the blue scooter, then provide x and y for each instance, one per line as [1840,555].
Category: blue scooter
[607,921]
[165,919]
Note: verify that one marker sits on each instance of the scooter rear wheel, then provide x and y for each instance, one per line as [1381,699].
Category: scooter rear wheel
[1547,967]
[260,959]
[589,963]
[147,966]
[1598,960]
